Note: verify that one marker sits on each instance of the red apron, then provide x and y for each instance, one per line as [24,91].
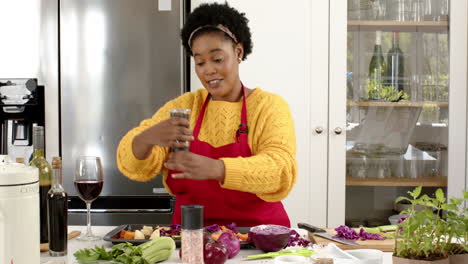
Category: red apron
[223,206]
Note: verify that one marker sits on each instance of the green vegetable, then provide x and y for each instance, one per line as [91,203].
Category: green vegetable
[389,235]
[156,250]
[371,230]
[388,228]
[300,252]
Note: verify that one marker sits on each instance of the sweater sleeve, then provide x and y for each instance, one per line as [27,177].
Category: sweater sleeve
[271,171]
[145,170]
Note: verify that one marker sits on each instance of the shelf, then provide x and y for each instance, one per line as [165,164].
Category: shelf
[405,26]
[427,182]
[396,104]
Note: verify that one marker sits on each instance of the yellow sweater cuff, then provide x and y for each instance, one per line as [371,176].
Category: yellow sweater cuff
[232,173]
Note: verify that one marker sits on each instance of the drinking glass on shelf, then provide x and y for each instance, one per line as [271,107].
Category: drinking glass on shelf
[88,183]
[443,10]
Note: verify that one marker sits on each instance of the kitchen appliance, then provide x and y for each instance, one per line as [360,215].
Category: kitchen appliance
[21,108]
[19,213]
[120,61]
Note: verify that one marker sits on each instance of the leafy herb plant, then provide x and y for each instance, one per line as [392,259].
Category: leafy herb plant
[422,235]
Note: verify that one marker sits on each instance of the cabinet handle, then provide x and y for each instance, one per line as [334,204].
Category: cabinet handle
[338,130]
[319,130]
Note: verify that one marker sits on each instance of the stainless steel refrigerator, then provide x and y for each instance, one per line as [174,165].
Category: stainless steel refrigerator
[120,60]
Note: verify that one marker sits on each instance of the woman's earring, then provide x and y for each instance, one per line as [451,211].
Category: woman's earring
[239,59]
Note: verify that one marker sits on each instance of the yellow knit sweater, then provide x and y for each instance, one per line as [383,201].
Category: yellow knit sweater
[270,172]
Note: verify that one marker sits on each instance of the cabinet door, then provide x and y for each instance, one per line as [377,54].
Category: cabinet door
[397,77]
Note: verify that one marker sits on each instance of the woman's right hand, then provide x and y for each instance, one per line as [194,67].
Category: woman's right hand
[173,132]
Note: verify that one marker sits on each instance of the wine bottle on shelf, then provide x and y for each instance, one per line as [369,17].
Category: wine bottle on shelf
[377,70]
[41,163]
[395,65]
[57,206]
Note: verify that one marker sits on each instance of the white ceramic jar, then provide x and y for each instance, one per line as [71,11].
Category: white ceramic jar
[19,213]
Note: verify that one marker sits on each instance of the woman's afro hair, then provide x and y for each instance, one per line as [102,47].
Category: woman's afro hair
[214,14]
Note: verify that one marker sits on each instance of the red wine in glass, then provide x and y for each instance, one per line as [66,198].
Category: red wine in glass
[88,180]
[88,190]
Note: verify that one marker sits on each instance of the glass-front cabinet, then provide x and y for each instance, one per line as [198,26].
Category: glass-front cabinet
[397,104]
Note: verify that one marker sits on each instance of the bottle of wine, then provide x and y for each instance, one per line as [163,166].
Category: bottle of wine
[377,70]
[41,163]
[395,65]
[57,206]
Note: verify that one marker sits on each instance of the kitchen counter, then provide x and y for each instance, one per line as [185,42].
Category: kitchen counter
[75,245]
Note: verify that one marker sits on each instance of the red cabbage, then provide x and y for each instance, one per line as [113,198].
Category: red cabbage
[215,252]
[295,239]
[231,242]
[269,237]
[346,232]
[349,233]
[232,226]
[173,230]
[213,228]
[365,236]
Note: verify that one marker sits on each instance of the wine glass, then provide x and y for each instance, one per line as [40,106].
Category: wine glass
[88,182]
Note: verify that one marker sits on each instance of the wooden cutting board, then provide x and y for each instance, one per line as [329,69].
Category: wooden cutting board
[384,245]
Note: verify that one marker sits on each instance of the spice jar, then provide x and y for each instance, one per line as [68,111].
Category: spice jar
[192,234]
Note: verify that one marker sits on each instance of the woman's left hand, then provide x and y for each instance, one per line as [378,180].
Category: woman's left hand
[195,167]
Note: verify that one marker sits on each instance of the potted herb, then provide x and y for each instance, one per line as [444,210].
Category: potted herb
[420,237]
[457,230]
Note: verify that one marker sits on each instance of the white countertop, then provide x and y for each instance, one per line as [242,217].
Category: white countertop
[75,245]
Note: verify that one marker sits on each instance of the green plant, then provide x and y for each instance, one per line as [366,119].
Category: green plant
[422,234]
[457,225]
[375,90]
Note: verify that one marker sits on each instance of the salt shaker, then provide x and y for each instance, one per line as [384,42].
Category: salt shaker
[192,234]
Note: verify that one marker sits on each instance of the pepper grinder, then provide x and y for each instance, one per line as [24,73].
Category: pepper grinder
[192,234]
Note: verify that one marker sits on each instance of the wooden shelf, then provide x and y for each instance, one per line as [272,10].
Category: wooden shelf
[427,182]
[405,26]
[396,104]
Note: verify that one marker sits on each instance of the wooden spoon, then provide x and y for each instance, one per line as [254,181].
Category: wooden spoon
[72,234]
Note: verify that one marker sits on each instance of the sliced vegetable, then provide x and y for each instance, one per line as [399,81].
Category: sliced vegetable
[155,234]
[269,237]
[139,234]
[295,239]
[388,228]
[368,236]
[215,236]
[372,230]
[213,228]
[231,242]
[300,252]
[389,235]
[215,252]
[232,226]
[129,235]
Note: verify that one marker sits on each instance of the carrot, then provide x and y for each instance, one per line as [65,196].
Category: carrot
[243,237]
[225,229]
[129,235]
[215,236]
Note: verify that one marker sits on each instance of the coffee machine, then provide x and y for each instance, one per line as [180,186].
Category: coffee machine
[21,108]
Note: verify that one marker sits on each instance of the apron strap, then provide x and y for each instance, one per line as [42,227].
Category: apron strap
[243,128]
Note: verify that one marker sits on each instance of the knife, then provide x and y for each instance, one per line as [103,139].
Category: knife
[322,233]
